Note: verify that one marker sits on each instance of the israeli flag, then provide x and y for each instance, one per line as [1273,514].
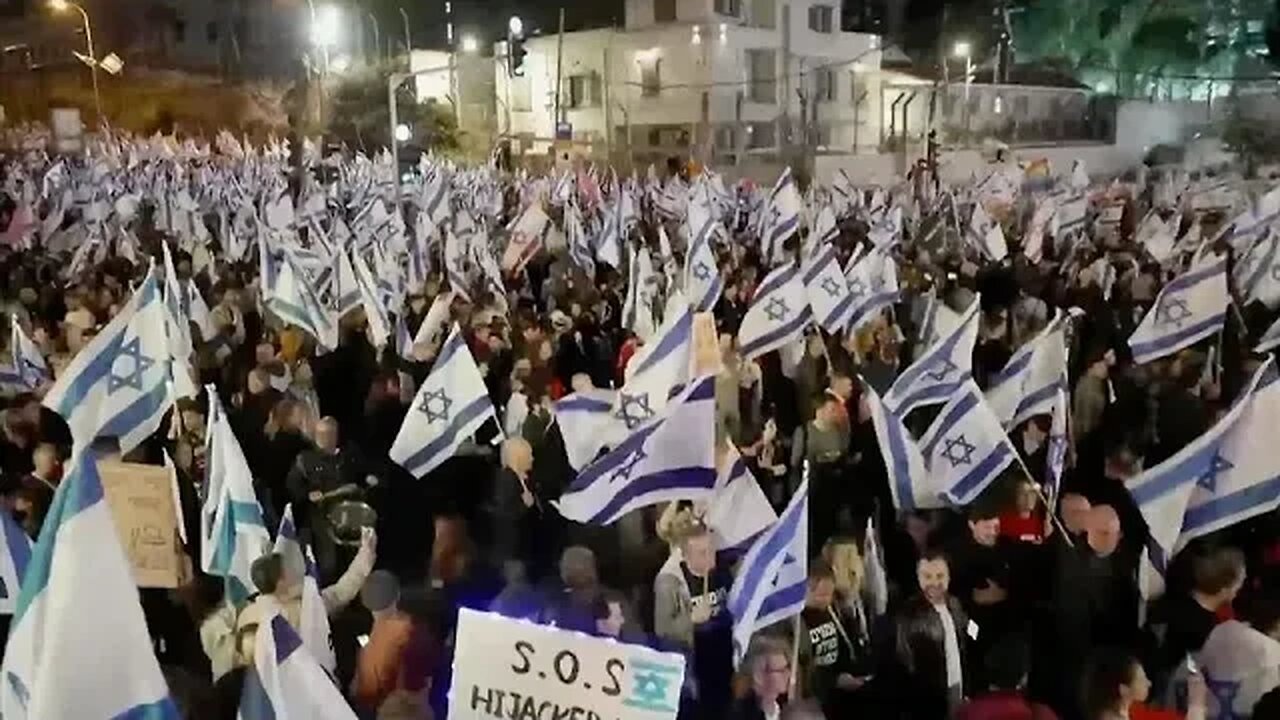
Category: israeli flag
[286,682]
[455,262]
[450,407]
[314,617]
[873,286]
[580,250]
[940,371]
[28,362]
[1244,481]
[586,423]
[1241,664]
[433,325]
[292,298]
[380,326]
[738,511]
[987,235]
[231,528]
[672,457]
[702,280]
[1254,221]
[1056,457]
[1226,460]
[490,273]
[637,307]
[909,480]
[15,557]
[778,314]
[346,290]
[966,448]
[1156,237]
[1029,383]
[79,646]
[117,386]
[1257,275]
[828,293]
[198,312]
[773,576]
[782,217]
[1189,309]
[175,301]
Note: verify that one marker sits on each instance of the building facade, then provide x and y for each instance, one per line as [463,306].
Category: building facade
[716,79]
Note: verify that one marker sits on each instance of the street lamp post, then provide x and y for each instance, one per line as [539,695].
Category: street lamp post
[965,50]
[377,38]
[394,81]
[61,5]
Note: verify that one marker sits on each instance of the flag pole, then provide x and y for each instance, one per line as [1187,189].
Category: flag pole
[795,621]
[1048,508]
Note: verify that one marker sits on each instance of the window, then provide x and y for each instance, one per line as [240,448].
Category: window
[760,135]
[211,32]
[664,11]
[651,78]
[761,77]
[820,18]
[732,8]
[584,91]
[764,13]
[825,85]
[521,94]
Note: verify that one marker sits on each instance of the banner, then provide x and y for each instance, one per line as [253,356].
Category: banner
[141,501]
[506,668]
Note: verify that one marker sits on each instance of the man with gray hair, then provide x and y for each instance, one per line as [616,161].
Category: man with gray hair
[320,478]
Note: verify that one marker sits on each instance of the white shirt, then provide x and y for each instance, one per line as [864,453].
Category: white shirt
[951,646]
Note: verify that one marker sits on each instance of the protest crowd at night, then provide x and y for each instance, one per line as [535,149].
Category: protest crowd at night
[451,441]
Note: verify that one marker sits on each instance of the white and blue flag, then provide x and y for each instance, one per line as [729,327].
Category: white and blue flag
[1227,471]
[28,362]
[79,646]
[375,312]
[703,283]
[1029,383]
[15,557]
[828,292]
[738,512]
[1257,274]
[232,531]
[778,314]
[1190,308]
[286,682]
[586,423]
[672,457]
[909,480]
[966,448]
[940,371]
[117,386]
[773,576]
[450,407]
[873,286]
[781,217]
[293,299]
[313,618]
[1056,457]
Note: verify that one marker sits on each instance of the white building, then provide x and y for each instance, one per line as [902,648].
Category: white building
[721,79]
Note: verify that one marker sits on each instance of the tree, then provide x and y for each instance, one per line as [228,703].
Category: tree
[358,115]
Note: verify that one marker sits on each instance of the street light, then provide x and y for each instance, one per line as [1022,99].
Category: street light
[327,27]
[515,26]
[64,5]
[403,133]
[470,44]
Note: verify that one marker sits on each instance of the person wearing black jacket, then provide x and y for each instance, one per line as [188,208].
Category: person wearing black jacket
[932,634]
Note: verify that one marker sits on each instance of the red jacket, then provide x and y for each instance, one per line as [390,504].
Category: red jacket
[1003,706]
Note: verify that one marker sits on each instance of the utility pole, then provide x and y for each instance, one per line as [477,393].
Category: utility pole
[559,73]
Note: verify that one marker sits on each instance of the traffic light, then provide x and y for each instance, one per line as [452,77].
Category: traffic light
[515,56]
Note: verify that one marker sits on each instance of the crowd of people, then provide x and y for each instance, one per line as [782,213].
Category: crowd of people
[1024,603]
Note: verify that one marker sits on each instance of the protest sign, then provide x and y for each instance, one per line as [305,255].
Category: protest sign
[506,668]
[141,501]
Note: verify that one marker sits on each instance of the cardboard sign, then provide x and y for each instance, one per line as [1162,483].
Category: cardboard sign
[506,668]
[141,501]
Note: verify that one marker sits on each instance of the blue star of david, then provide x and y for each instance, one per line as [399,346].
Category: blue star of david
[1173,311]
[651,684]
[1209,480]
[831,286]
[140,364]
[776,309]
[701,271]
[634,409]
[435,405]
[622,473]
[940,373]
[1225,691]
[857,288]
[958,451]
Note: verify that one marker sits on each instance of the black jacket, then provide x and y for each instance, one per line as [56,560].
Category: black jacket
[921,648]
